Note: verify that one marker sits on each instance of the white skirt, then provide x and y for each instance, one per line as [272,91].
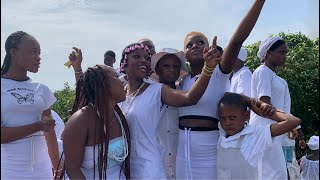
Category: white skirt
[26,158]
[197,154]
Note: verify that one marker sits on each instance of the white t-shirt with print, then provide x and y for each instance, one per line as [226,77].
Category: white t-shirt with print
[22,103]
[241,82]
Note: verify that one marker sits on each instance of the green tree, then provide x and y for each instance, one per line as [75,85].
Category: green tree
[65,99]
[301,71]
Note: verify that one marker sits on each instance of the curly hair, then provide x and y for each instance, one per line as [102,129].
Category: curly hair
[93,90]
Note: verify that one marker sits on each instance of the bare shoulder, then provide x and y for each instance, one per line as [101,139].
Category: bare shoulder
[79,122]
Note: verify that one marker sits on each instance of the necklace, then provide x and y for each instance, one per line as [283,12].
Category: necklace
[130,99]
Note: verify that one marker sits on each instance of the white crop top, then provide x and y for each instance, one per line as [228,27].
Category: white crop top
[206,108]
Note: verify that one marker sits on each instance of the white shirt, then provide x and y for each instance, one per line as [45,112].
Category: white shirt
[208,103]
[266,83]
[241,81]
[310,169]
[22,103]
[59,127]
[246,148]
[168,137]
[143,117]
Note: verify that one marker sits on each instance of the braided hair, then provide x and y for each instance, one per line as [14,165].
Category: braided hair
[13,41]
[127,50]
[92,90]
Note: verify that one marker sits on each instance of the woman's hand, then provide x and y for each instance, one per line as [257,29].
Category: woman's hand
[212,56]
[76,58]
[48,124]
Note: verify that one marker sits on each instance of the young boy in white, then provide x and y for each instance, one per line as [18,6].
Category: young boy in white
[240,146]
[240,81]
[167,64]
[310,163]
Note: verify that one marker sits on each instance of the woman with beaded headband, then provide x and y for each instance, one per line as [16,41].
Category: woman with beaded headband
[142,107]
[198,134]
[27,130]
[101,149]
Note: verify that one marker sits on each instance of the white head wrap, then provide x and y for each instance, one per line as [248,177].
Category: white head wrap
[265,46]
[313,143]
[242,54]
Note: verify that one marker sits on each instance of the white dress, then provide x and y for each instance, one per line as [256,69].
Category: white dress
[310,169]
[266,83]
[22,103]
[114,170]
[143,115]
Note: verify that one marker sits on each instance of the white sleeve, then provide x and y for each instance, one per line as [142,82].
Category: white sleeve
[49,98]
[262,83]
[287,101]
[244,84]
[256,144]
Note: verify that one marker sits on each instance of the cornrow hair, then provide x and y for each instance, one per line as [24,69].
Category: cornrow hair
[194,33]
[13,41]
[91,90]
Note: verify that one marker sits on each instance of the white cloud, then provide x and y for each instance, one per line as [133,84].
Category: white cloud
[99,25]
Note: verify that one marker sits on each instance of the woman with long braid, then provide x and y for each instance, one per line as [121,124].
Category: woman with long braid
[28,139]
[101,147]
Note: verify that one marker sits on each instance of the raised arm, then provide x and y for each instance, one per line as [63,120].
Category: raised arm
[178,98]
[76,58]
[240,35]
[285,122]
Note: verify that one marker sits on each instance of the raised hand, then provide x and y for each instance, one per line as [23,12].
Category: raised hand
[76,58]
[212,56]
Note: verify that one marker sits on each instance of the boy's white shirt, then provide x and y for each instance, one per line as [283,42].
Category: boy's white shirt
[256,141]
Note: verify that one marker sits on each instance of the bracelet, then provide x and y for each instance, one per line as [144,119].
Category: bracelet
[55,171]
[78,72]
[209,75]
[208,68]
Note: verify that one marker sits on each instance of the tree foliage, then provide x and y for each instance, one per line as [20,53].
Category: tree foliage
[301,71]
[65,99]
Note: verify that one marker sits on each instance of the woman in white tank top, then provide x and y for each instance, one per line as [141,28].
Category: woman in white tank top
[101,147]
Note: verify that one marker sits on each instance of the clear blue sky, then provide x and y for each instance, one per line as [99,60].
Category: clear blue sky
[100,25]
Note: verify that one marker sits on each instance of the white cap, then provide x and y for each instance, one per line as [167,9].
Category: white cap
[265,46]
[313,143]
[242,54]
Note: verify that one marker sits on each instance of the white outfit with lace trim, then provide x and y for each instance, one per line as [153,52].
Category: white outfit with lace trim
[310,169]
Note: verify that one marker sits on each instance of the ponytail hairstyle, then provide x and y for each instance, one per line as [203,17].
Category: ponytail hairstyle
[13,41]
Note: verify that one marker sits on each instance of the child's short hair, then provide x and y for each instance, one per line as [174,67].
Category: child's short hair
[233,99]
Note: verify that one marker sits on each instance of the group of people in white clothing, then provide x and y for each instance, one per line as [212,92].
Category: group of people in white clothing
[213,120]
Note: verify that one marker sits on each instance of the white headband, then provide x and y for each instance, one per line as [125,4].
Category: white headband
[265,46]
